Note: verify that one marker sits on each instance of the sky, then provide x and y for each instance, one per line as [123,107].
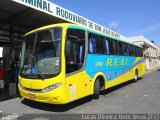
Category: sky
[127,17]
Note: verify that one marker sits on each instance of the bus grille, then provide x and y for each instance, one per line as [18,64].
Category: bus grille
[33,90]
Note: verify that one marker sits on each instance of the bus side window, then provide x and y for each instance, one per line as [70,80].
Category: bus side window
[120,48]
[133,50]
[92,44]
[112,47]
[125,49]
[96,44]
[75,50]
[130,50]
[107,47]
[68,48]
[141,52]
[137,50]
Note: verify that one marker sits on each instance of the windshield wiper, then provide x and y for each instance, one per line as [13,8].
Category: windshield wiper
[38,70]
[33,59]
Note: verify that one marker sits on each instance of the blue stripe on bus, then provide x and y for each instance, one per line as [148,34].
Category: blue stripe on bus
[111,72]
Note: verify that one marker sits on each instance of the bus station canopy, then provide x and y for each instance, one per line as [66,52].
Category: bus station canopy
[23,16]
[26,15]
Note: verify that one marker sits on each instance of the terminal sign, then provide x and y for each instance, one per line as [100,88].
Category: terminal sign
[57,11]
[41,4]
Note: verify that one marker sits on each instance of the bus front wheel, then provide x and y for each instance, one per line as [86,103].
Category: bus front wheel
[96,91]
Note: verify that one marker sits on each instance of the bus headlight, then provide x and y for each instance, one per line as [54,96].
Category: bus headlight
[52,87]
[21,86]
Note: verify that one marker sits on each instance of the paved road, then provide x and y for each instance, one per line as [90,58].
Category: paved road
[140,97]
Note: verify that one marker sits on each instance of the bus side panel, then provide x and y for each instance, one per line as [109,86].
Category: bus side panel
[117,69]
[141,69]
[78,85]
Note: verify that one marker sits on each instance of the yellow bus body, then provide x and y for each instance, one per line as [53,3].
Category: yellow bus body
[74,86]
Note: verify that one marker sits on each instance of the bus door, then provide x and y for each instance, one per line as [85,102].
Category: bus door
[76,79]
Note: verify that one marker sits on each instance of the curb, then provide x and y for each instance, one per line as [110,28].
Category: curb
[8,97]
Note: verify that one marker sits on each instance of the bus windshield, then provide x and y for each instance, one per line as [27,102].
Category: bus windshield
[40,56]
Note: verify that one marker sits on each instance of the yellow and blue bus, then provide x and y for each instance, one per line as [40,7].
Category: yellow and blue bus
[64,62]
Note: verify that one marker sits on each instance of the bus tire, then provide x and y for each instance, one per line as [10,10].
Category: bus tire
[136,76]
[96,91]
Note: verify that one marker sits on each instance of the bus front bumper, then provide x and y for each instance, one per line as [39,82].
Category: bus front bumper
[56,96]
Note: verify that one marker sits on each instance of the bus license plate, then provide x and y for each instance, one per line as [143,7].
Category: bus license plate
[31,96]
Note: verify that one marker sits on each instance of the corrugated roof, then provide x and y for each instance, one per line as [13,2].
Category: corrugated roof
[10,8]
[24,16]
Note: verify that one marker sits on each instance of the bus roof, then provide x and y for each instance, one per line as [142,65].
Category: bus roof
[71,25]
